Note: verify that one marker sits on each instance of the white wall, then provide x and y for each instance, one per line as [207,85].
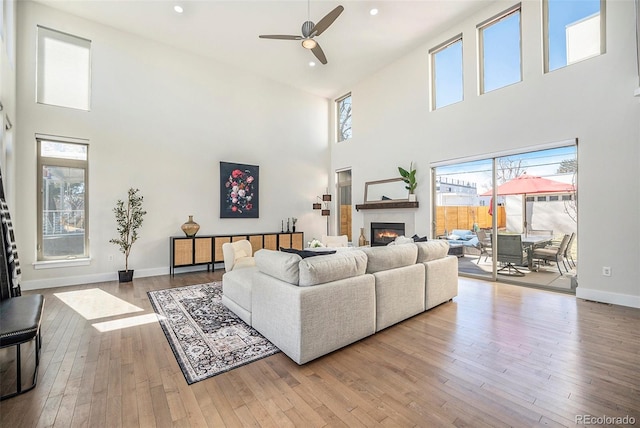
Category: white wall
[8,97]
[591,100]
[161,120]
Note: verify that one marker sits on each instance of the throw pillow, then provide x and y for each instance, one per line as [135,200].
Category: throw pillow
[306,253]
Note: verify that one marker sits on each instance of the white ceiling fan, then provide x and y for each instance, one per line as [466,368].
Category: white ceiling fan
[311,30]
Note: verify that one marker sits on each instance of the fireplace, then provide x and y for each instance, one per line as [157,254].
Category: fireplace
[384,233]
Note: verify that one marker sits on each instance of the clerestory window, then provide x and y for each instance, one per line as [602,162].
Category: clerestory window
[573,31]
[500,50]
[63,69]
[446,73]
[343,117]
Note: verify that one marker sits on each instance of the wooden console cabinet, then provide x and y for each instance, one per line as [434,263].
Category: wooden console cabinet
[207,249]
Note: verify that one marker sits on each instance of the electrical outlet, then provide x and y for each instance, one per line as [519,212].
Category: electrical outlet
[606,271]
[110,257]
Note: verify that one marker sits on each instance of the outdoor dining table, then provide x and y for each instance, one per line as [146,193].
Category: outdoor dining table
[532,242]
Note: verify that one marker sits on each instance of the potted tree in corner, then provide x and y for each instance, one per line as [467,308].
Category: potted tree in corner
[129,218]
[409,178]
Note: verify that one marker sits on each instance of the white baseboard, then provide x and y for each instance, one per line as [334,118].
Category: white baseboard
[38,284]
[608,297]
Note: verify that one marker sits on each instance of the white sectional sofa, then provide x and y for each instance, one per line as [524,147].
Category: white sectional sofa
[310,307]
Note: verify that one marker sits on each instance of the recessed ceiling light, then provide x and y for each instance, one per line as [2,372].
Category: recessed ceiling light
[373,12]
[178,8]
[312,64]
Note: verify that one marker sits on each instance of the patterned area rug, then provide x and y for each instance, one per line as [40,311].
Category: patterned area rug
[206,337]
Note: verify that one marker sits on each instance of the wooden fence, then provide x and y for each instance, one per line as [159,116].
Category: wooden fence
[464,217]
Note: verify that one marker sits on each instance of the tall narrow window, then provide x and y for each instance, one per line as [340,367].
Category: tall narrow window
[446,73]
[62,199]
[64,69]
[344,202]
[573,31]
[343,111]
[500,50]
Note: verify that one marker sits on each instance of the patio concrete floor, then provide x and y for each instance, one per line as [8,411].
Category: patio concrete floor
[546,277]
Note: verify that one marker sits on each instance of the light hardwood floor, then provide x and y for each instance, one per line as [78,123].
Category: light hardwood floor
[498,355]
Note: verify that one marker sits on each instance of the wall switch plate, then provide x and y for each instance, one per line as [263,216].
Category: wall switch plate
[606,271]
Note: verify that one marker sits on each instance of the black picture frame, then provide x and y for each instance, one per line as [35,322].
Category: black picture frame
[239,190]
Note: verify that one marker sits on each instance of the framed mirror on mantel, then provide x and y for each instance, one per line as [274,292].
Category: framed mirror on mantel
[383,194]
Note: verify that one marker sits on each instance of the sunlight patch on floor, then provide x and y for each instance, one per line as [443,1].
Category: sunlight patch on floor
[95,303]
[127,322]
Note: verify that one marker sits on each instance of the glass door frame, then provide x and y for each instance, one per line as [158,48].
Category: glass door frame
[493,157]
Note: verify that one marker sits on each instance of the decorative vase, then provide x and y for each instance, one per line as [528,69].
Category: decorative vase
[125,275]
[412,197]
[293,228]
[190,228]
[362,241]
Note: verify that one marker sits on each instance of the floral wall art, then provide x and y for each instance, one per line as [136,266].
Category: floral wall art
[239,190]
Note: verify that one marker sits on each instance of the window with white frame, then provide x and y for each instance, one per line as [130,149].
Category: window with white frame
[62,202]
[573,31]
[343,117]
[500,50]
[63,69]
[446,73]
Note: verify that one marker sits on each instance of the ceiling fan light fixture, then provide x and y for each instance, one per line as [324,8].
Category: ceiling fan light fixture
[309,43]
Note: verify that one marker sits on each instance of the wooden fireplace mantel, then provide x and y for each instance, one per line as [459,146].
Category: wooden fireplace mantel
[386,205]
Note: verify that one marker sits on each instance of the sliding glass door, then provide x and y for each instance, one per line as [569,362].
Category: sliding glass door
[509,232]
[463,214]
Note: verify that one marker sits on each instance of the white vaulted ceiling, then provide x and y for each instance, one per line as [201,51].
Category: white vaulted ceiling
[356,45]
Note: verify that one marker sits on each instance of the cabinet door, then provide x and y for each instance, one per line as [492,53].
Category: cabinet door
[203,250]
[238,238]
[182,252]
[217,247]
[256,243]
[284,240]
[271,242]
[297,241]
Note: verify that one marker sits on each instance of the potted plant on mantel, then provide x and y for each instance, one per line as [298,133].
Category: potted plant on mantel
[409,178]
[129,219]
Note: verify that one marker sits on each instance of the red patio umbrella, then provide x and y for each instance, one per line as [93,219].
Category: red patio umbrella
[529,185]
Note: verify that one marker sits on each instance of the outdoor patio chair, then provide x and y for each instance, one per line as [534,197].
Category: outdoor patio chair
[567,251]
[512,254]
[552,253]
[484,245]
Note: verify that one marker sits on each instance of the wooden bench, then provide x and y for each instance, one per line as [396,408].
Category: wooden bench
[19,324]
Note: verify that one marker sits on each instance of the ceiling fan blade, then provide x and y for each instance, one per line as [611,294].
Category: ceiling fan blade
[317,51]
[280,37]
[324,23]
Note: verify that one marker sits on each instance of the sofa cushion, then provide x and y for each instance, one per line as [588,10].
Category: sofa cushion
[432,250]
[332,267]
[244,263]
[236,285]
[307,253]
[390,257]
[278,264]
